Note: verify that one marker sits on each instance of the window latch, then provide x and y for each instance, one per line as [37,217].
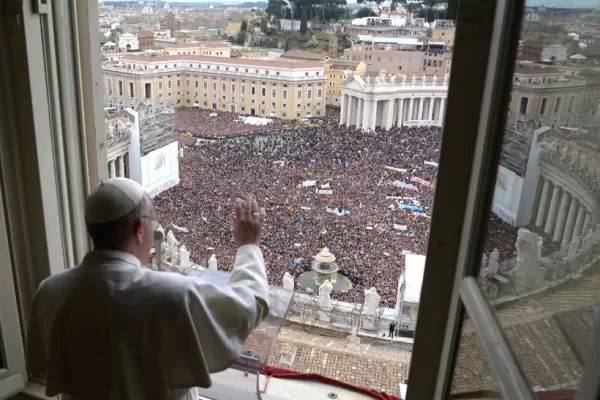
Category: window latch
[41,6]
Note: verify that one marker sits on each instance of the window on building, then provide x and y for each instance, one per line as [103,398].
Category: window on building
[544,106]
[196,84]
[214,86]
[120,87]
[131,90]
[169,84]
[284,94]
[557,105]
[253,92]
[309,94]
[523,105]
[160,85]
[187,83]
[205,85]
[299,94]
[571,104]
[243,89]
[178,83]
[263,92]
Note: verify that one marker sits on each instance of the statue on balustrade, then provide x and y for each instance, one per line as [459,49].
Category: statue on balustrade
[483,268]
[414,80]
[288,281]
[424,80]
[325,294]
[446,79]
[184,257]
[434,80]
[528,273]
[368,80]
[393,78]
[372,299]
[380,79]
[212,262]
[404,79]
[494,262]
[574,157]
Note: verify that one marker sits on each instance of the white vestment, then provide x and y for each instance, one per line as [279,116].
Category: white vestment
[108,329]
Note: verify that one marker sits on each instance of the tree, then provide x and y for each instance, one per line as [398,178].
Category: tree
[364,12]
[244,26]
[276,9]
[378,3]
[303,22]
[241,38]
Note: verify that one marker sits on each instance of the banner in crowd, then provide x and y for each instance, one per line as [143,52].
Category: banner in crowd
[401,170]
[432,163]
[319,191]
[410,207]
[309,183]
[400,227]
[280,162]
[326,186]
[422,182]
[180,229]
[337,211]
[404,185]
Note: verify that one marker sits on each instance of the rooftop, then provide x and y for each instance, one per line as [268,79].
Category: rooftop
[536,71]
[222,60]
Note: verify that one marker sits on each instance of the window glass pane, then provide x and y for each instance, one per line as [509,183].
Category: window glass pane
[355,179]
[540,270]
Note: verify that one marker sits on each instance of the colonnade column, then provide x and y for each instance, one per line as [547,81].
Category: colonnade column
[420,110]
[551,218]
[410,109]
[111,169]
[400,111]
[373,115]
[430,114]
[442,110]
[122,166]
[570,224]
[543,207]
[579,221]
[586,224]
[359,113]
[562,216]
[389,120]
[343,109]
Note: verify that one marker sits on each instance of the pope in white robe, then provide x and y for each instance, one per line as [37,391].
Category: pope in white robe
[110,329]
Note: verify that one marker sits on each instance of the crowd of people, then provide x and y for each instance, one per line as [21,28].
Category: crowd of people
[367,197]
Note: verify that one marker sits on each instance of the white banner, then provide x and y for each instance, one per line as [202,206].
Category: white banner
[401,170]
[421,123]
[404,185]
[400,227]
[432,163]
[180,229]
[326,186]
[309,183]
[324,191]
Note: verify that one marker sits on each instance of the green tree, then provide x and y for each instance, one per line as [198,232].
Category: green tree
[276,8]
[244,26]
[378,3]
[303,22]
[241,38]
[364,12]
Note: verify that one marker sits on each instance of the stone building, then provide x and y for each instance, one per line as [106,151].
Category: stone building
[287,90]
[387,101]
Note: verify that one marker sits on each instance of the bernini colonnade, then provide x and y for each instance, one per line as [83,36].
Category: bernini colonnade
[389,101]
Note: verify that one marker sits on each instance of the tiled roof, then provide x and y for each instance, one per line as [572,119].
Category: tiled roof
[223,60]
[536,71]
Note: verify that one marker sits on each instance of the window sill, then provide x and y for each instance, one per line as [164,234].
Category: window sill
[35,390]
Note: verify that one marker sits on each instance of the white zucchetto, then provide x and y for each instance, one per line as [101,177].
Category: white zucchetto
[113,199]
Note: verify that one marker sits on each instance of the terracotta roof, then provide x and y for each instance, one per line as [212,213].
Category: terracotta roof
[309,55]
[145,34]
[343,63]
[536,71]
[223,60]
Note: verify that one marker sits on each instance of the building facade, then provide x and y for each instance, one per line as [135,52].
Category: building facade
[388,101]
[337,71]
[287,90]
[401,55]
[233,28]
[544,96]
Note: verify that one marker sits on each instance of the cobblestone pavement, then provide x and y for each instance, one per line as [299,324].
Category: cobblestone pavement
[372,365]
